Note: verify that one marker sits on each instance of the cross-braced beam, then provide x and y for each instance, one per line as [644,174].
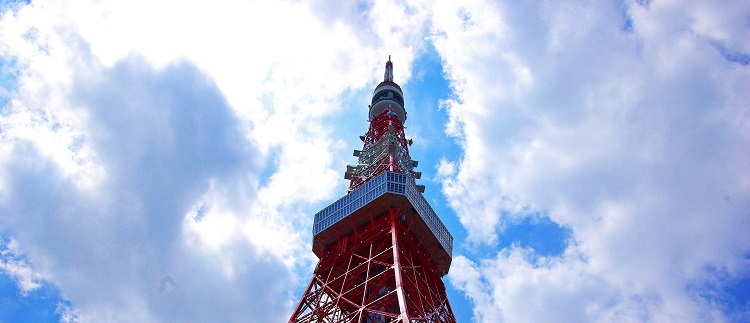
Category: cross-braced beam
[378,273]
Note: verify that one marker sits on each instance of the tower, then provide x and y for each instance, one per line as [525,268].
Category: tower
[382,248]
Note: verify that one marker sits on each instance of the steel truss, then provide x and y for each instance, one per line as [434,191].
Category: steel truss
[385,149]
[378,273]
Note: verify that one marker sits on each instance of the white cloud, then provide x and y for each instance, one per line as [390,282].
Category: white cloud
[108,247]
[160,160]
[17,268]
[633,139]
[67,313]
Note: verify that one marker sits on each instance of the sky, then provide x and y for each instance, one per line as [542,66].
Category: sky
[161,161]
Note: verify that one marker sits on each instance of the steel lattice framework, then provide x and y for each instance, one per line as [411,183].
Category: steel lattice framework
[385,149]
[378,274]
[382,249]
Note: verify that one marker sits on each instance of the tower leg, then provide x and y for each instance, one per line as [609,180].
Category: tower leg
[397,268]
[304,304]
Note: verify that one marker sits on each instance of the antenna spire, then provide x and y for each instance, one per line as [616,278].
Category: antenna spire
[388,70]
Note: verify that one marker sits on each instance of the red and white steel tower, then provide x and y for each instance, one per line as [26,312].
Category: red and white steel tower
[382,249]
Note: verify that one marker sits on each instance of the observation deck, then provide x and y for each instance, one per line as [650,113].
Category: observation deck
[388,95]
[372,200]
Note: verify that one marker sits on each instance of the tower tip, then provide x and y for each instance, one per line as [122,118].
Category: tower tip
[389,70]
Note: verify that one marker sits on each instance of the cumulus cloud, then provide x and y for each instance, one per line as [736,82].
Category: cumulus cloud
[162,164]
[159,161]
[164,140]
[624,122]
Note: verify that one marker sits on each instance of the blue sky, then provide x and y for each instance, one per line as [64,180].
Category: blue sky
[590,159]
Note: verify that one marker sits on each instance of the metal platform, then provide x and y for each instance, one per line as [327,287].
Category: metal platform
[371,200]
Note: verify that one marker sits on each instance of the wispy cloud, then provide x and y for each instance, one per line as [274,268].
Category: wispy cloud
[160,161]
[12,263]
[635,139]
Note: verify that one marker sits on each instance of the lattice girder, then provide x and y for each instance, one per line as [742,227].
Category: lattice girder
[385,148]
[356,281]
